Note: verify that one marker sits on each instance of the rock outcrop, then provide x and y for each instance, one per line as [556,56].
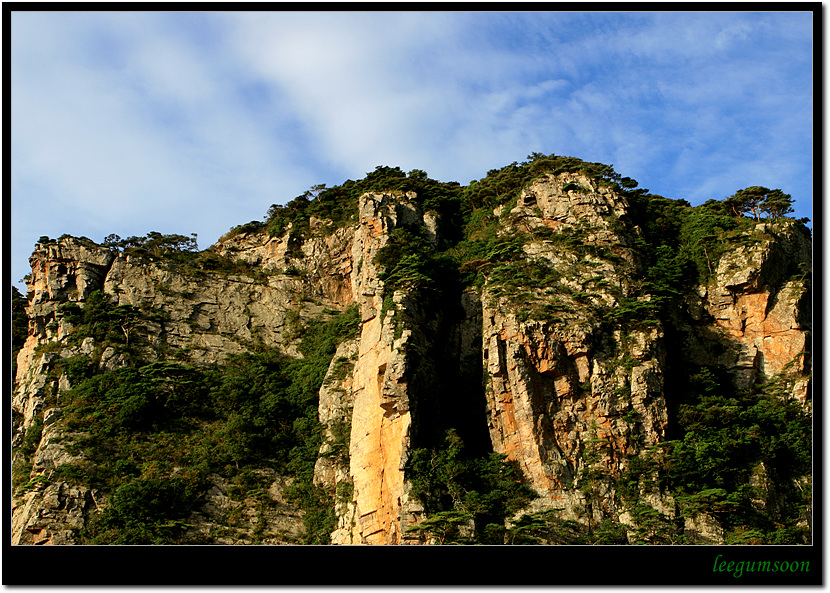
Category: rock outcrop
[381,381]
[567,397]
[193,317]
[758,300]
[559,387]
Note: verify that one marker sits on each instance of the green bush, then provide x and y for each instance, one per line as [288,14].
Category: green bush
[145,511]
[455,487]
[339,203]
[726,435]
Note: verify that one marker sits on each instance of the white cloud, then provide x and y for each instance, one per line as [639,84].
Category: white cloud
[131,122]
[160,133]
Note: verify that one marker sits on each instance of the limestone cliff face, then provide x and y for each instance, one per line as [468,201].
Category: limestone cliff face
[559,401]
[198,318]
[67,271]
[759,303]
[561,390]
[380,384]
[203,317]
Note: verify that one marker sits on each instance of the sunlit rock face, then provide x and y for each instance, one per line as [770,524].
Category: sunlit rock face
[761,305]
[567,396]
[381,418]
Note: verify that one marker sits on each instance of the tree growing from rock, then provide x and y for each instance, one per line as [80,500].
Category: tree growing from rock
[777,204]
[757,200]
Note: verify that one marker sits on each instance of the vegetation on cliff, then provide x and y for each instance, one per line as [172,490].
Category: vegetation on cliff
[338,204]
[151,434]
[467,497]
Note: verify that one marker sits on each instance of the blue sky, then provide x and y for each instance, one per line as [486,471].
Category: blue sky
[194,122]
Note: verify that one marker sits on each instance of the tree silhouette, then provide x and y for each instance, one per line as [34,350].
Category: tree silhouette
[758,199]
[777,204]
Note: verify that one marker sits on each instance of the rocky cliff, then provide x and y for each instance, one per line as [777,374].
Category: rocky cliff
[577,365]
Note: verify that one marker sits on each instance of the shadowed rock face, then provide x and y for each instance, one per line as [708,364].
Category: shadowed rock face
[565,395]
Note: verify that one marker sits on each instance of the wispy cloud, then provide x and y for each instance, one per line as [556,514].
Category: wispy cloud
[194,122]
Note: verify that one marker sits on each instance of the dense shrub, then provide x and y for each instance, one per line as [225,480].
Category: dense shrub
[145,511]
[727,438]
[137,425]
[456,488]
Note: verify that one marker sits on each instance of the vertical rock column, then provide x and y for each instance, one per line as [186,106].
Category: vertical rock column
[379,441]
[68,270]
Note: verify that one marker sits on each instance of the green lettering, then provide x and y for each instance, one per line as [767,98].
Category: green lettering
[803,563]
[775,566]
[730,566]
[722,565]
[739,570]
[764,566]
[715,567]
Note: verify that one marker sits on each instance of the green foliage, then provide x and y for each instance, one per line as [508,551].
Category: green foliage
[253,397]
[23,464]
[183,253]
[154,243]
[500,186]
[32,438]
[456,488]
[668,269]
[409,261]
[159,396]
[318,507]
[444,527]
[663,285]
[319,340]
[757,200]
[680,247]
[703,237]
[635,310]
[532,288]
[77,367]
[255,226]
[777,204]
[482,247]
[144,511]
[100,319]
[135,425]
[32,484]
[727,435]
[669,273]
[339,203]
[547,528]
[652,526]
